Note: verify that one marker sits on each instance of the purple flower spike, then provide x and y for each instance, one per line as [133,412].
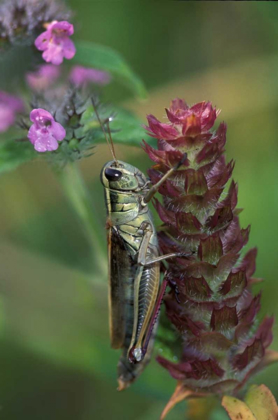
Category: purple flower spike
[45,76]
[45,132]
[9,106]
[214,310]
[55,42]
[81,76]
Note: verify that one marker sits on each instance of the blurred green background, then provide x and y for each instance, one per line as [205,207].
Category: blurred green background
[55,358]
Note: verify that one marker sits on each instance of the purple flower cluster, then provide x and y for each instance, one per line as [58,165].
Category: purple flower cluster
[22,20]
[45,132]
[82,76]
[55,44]
[211,302]
[43,78]
[10,105]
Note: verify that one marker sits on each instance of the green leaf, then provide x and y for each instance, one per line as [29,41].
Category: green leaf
[105,58]
[262,403]
[237,409]
[125,127]
[259,404]
[14,153]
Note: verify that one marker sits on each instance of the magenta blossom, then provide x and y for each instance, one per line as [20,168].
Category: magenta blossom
[45,132]
[81,76]
[9,106]
[55,42]
[44,77]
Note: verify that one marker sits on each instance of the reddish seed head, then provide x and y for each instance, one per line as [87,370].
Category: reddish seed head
[216,313]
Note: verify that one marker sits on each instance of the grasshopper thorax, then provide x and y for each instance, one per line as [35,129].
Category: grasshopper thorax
[121,176]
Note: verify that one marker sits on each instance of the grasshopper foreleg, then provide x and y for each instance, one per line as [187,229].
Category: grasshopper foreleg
[142,254]
[166,256]
[152,191]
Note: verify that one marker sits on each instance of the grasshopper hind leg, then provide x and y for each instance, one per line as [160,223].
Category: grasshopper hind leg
[146,290]
[129,372]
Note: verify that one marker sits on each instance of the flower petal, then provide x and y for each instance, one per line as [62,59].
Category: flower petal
[7,117]
[63,26]
[40,113]
[32,134]
[69,49]
[46,143]
[58,131]
[41,42]
[53,54]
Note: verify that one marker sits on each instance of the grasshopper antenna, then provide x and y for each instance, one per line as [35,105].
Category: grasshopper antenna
[111,141]
[110,144]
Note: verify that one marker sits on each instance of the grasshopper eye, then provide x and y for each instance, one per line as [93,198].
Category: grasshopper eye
[113,174]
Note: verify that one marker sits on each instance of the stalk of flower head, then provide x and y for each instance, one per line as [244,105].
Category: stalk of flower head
[210,304]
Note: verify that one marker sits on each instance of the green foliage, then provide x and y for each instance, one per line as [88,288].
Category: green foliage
[125,126]
[237,409]
[105,58]
[259,404]
[262,403]
[14,153]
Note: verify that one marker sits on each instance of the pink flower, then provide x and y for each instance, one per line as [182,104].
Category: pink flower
[45,133]
[82,76]
[9,106]
[44,77]
[55,42]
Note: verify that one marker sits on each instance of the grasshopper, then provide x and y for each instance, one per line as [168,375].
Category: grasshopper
[134,262]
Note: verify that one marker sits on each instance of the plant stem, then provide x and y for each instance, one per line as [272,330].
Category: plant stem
[82,202]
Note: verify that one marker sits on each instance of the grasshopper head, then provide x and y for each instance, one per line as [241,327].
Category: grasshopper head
[121,176]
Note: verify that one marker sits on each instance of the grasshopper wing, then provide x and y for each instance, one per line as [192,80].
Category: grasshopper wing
[119,272]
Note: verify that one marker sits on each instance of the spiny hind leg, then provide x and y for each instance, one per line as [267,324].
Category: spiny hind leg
[136,341]
[138,276]
[144,259]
